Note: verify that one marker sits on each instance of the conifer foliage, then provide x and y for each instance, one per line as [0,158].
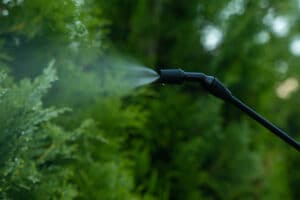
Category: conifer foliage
[22,119]
[41,160]
[67,130]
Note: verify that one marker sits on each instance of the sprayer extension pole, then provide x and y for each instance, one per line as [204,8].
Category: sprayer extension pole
[257,117]
[216,88]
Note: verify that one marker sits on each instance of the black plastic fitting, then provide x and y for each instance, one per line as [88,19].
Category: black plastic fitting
[210,83]
[171,76]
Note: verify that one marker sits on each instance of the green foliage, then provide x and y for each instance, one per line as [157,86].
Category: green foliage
[156,143]
[21,115]
[235,166]
[42,161]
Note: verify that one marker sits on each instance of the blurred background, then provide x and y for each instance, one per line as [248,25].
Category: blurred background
[69,130]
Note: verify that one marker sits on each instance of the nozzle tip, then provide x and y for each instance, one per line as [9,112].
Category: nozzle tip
[171,76]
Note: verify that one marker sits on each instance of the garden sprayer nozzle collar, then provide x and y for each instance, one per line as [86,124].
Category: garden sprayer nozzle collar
[210,83]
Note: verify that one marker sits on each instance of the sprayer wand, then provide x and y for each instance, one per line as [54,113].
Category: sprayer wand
[217,88]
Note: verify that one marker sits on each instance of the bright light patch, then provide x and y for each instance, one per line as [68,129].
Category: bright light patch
[287,87]
[211,37]
[6,1]
[79,2]
[234,7]
[262,37]
[280,26]
[269,17]
[5,12]
[295,47]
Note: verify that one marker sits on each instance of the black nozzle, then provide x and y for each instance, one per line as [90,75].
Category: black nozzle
[210,83]
[172,76]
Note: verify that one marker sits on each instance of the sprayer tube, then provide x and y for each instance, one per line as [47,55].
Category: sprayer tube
[216,88]
[257,117]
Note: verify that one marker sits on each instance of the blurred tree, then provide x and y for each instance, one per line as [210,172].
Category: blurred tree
[43,160]
[225,39]
[160,143]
